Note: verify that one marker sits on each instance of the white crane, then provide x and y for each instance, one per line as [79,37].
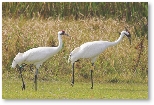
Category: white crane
[36,56]
[92,50]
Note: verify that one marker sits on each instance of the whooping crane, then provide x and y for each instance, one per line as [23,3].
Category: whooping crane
[92,50]
[36,56]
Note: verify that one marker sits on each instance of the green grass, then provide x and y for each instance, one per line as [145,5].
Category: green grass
[81,90]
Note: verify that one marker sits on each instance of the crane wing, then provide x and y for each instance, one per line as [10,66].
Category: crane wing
[39,54]
[92,49]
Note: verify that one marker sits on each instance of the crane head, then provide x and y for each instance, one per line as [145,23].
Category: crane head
[127,33]
[62,33]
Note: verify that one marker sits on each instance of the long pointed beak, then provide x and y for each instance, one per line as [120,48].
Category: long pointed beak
[67,34]
[129,38]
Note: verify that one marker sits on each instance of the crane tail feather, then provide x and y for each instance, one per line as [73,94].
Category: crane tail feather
[69,59]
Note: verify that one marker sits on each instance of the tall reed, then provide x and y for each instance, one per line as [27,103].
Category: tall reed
[132,11]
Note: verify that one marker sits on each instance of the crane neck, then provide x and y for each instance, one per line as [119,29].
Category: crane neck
[60,42]
[117,41]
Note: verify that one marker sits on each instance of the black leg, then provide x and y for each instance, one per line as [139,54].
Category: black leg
[35,80]
[72,75]
[92,75]
[23,84]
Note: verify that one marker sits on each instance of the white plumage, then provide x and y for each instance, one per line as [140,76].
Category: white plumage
[92,50]
[37,56]
[88,50]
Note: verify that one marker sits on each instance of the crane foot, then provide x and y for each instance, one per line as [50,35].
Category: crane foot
[91,87]
[72,84]
[23,87]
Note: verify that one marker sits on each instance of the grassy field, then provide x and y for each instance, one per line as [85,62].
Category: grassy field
[63,90]
[123,62]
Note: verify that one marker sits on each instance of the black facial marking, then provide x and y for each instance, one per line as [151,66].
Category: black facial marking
[128,34]
[63,32]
